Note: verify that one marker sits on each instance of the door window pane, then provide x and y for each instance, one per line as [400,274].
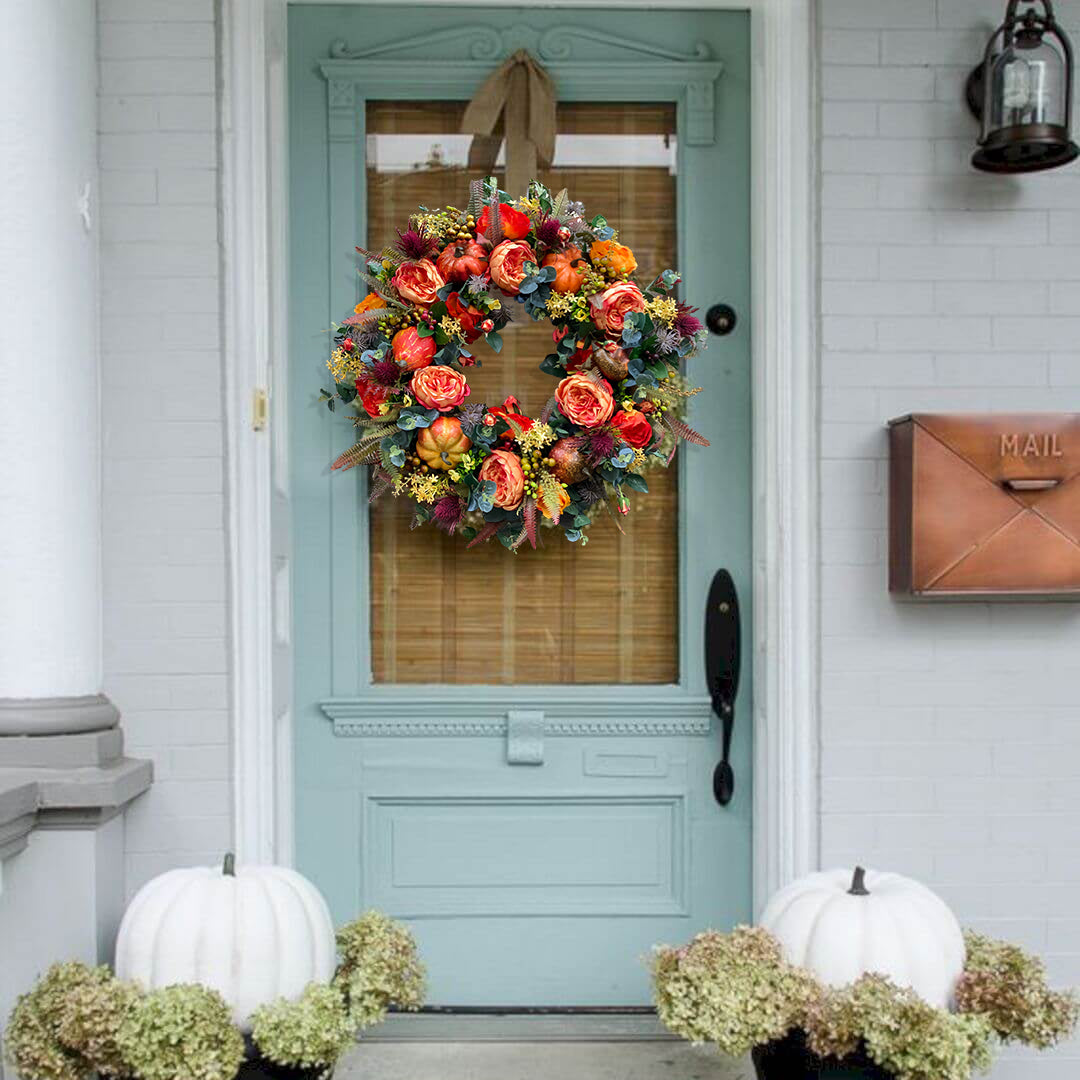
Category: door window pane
[605,613]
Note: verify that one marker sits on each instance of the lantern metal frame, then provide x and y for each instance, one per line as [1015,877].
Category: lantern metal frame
[997,148]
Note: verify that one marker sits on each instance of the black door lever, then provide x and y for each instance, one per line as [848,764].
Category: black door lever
[723,661]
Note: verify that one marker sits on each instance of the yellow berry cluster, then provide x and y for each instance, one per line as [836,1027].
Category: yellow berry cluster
[663,308]
[592,283]
[534,465]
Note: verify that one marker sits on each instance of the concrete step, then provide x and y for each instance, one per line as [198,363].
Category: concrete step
[641,1059]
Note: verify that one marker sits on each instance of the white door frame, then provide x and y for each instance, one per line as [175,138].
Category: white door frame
[785,487]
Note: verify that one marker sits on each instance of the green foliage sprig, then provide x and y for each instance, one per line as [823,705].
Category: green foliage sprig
[737,992]
[1008,986]
[181,1031]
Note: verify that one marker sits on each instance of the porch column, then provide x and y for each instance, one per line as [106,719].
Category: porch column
[50,473]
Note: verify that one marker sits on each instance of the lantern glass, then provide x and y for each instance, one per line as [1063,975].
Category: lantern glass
[1027,86]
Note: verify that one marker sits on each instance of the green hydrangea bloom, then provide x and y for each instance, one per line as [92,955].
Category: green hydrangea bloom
[311,1032]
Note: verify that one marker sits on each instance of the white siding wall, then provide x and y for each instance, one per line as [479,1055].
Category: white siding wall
[951,733]
[164,542]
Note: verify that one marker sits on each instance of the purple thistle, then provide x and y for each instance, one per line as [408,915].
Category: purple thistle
[589,491]
[601,446]
[415,245]
[386,372]
[547,232]
[448,513]
[477,283]
[685,323]
[472,414]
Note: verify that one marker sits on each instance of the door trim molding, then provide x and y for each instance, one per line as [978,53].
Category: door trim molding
[785,486]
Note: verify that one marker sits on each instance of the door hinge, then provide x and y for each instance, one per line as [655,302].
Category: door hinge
[260,409]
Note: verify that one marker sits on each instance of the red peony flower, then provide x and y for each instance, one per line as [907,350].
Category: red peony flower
[468,316]
[634,427]
[508,411]
[372,395]
[515,224]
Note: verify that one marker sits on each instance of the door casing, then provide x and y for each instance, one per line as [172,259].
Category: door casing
[785,426]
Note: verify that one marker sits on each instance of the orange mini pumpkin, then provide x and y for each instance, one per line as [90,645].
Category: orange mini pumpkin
[443,444]
[569,270]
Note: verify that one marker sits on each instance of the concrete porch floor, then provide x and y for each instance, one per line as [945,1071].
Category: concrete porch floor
[638,1060]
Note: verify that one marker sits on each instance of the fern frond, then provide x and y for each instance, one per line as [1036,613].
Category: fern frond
[550,492]
[486,533]
[518,540]
[514,426]
[682,430]
[528,513]
[367,319]
[548,409]
[365,450]
[381,482]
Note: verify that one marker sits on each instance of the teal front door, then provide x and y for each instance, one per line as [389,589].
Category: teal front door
[515,753]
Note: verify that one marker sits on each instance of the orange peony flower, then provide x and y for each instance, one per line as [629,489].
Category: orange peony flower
[504,468]
[441,387]
[585,402]
[418,281]
[369,303]
[507,264]
[616,256]
[610,308]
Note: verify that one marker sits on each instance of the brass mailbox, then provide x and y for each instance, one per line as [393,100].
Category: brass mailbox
[985,505]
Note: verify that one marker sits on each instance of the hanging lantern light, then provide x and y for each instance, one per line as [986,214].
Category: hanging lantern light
[1022,93]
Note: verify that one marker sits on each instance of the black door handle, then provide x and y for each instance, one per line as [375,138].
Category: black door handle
[723,662]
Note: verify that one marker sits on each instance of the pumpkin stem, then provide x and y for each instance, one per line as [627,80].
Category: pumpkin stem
[228,868]
[858,883]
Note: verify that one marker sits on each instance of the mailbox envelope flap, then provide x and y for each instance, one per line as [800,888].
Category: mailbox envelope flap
[959,508]
[1026,555]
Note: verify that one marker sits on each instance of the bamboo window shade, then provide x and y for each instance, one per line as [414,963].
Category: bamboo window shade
[564,614]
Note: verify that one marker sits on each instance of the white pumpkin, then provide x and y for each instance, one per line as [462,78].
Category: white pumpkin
[841,927]
[253,934]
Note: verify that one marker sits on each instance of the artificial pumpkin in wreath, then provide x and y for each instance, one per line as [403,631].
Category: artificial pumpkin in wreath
[252,933]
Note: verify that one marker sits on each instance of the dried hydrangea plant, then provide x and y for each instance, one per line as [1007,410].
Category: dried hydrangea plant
[899,1031]
[181,1031]
[311,1032]
[733,990]
[1008,987]
[379,967]
[92,1015]
[32,1041]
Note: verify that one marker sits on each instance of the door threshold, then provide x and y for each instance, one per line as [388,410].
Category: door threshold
[513,1024]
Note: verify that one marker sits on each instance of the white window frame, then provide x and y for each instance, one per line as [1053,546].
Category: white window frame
[785,422]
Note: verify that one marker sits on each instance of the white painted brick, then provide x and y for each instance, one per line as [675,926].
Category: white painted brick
[125,188]
[163,11]
[918,120]
[1065,369]
[849,118]
[892,298]
[195,186]
[982,369]
[877,369]
[157,76]
[172,149]
[1034,333]
[848,262]
[934,262]
[877,156]
[126,114]
[998,227]
[859,13]
[187,112]
[878,226]
[841,332]
[860,47]
[935,47]
[991,298]
[170,225]
[840,83]
[934,332]
[123,40]
[159,260]
[1037,264]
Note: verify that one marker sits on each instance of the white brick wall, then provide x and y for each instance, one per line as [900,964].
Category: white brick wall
[164,550]
[951,733]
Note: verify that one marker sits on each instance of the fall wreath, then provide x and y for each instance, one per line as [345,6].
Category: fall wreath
[455,276]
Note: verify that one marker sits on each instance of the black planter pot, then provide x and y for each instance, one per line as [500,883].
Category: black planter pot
[791,1059]
[256,1067]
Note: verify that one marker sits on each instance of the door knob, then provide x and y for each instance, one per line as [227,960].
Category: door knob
[721,319]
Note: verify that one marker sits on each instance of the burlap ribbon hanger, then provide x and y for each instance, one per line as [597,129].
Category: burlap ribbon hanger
[523,93]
